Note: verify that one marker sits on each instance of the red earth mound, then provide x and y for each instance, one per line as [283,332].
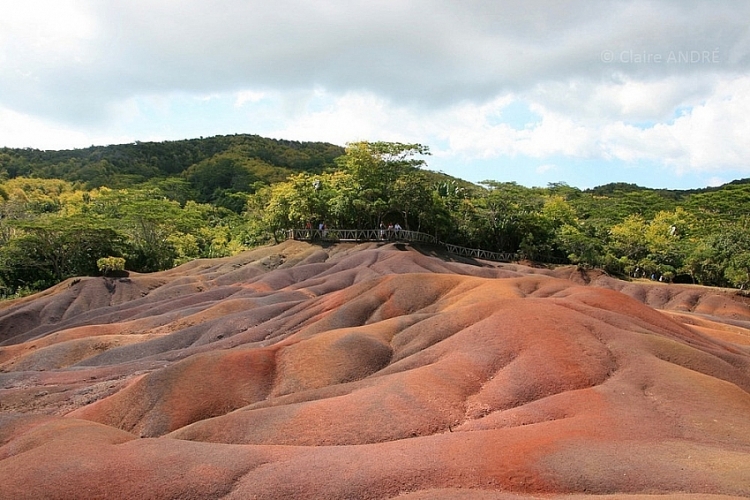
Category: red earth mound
[373,371]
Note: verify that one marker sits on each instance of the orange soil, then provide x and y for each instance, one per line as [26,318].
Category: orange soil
[373,371]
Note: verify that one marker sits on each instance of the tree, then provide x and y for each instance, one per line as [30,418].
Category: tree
[580,243]
[376,168]
[704,262]
[49,250]
[512,219]
[667,241]
[109,265]
[627,241]
[733,248]
[293,204]
[413,199]
[213,178]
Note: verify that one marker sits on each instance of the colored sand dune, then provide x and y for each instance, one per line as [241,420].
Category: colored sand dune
[373,371]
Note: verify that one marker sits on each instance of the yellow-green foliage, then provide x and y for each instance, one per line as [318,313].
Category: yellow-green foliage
[109,264]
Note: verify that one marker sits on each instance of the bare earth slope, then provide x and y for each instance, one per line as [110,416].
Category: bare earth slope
[373,371]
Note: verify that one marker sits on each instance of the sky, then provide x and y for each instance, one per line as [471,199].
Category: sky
[655,93]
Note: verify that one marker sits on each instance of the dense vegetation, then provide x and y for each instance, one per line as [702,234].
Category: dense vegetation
[216,169]
[150,206]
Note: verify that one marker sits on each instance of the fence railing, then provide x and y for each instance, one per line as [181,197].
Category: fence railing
[478,253]
[363,235]
[360,235]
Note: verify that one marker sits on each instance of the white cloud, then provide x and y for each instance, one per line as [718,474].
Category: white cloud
[46,28]
[710,136]
[351,117]
[715,133]
[20,130]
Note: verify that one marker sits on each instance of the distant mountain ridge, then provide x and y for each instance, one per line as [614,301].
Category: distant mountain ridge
[140,161]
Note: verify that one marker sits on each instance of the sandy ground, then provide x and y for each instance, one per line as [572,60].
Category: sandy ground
[374,371]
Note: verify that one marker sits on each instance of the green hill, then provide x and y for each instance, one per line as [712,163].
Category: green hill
[256,158]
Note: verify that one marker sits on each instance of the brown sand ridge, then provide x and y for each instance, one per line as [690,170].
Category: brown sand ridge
[373,371]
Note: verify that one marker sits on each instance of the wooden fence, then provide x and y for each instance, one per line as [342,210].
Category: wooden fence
[363,235]
[482,254]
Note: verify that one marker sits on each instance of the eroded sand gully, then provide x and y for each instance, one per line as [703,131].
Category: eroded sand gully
[373,371]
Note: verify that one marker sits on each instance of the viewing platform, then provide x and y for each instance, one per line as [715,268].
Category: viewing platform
[402,235]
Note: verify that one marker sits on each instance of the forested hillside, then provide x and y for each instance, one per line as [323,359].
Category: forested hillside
[150,206]
[213,166]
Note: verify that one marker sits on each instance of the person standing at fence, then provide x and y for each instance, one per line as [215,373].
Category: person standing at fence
[397,229]
[382,231]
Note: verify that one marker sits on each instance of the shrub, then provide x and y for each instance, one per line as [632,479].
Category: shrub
[110,265]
